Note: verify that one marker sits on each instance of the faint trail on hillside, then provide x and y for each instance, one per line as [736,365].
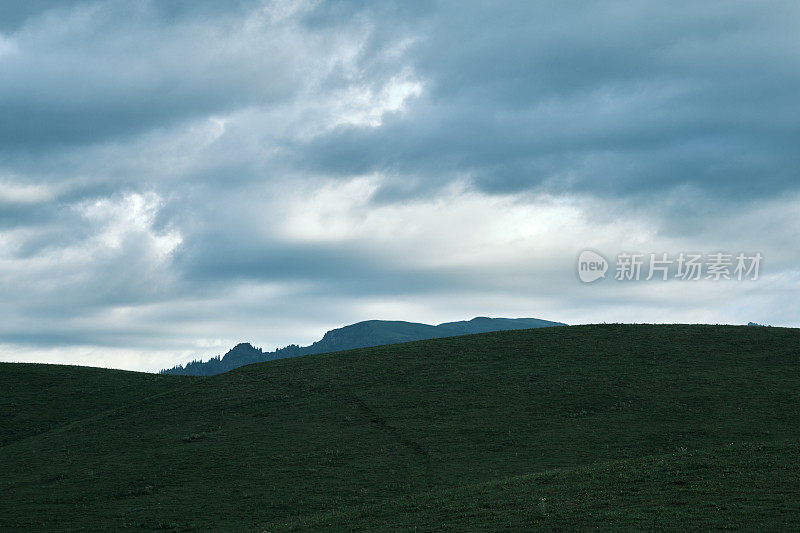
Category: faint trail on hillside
[420,457]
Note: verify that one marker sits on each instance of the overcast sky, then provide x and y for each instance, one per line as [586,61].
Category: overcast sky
[178,176]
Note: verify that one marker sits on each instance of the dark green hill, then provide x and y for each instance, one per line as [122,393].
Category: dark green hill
[36,398]
[437,433]
[741,486]
[358,335]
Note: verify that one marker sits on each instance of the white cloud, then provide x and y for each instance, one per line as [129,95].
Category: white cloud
[11,191]
[91,355]
[130,216]
[460,227]
[367,105]
[7,46]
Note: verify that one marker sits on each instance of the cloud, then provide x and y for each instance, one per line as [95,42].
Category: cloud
[620,99]
[179,176]
[100,71]
[16,193]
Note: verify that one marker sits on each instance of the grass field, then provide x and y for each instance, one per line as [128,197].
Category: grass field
[589,426]
[755,487]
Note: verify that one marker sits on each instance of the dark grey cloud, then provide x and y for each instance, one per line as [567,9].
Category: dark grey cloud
[620,98]
[341,269]
[87,72]
[15,14]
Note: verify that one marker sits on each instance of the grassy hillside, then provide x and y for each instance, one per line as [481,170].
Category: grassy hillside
[730,487]
[37,398]
[467,424]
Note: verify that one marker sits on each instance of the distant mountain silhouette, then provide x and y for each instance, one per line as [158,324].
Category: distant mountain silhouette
[359,335]
[482,324]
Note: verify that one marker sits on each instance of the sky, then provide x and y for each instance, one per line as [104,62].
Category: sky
[179,176]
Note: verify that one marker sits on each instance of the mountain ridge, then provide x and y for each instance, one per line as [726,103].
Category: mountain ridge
[363,334]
